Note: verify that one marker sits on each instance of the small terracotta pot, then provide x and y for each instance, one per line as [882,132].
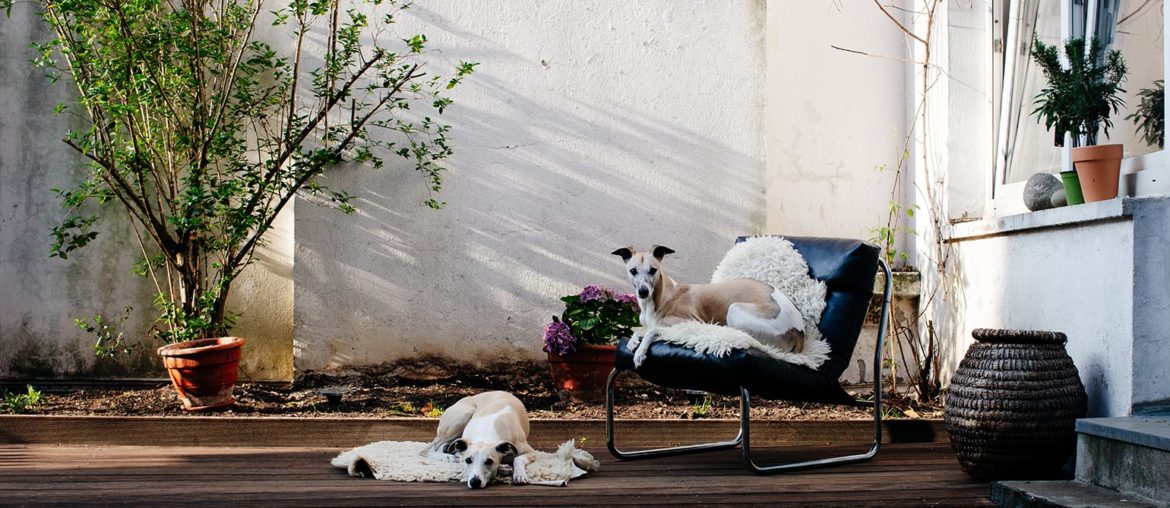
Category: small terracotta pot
[204,371]
[582,375]
[1098,169]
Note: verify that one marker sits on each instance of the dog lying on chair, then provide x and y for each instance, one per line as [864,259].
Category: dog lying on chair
[749,305]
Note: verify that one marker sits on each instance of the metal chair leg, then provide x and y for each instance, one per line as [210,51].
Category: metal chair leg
[745,432]
[745,406]
[656,452]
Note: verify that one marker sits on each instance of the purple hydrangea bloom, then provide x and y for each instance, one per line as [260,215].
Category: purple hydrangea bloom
[594,292]
[558,338]
[628,298]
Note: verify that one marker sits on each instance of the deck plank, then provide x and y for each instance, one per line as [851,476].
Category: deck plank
[280,432]
[55,475]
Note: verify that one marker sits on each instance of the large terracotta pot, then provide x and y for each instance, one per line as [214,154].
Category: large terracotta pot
[581,376]
[1098,169]
[204,371]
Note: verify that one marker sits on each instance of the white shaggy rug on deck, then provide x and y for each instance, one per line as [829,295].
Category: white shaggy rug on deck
[400,461]
[776,262]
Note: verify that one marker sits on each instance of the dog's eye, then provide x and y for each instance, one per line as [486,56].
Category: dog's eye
[488,462]
[652,271]
[467,460]
[633,271]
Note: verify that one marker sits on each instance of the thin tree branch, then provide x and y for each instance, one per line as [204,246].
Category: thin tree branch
[905,30]
[246,250]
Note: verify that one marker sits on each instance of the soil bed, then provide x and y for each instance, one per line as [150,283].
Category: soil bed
[422,388]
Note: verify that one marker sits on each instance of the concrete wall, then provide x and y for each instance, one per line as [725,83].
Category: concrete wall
[41,296]
[1040,280]
[834,117]
[604,124]
[1096,272]
[588,126]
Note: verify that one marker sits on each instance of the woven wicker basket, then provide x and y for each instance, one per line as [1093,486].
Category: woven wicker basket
[1012,405]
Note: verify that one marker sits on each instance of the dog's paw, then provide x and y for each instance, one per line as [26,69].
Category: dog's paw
[519,476]
[633,344]
[634,341]
[639,357]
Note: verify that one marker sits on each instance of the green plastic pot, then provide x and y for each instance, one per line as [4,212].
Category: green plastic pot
[1072,187]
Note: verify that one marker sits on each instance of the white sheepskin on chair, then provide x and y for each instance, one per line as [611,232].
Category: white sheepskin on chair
[400,461]
[720,341]
[774,261]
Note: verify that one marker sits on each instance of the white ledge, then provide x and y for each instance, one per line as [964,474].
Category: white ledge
[1101,211]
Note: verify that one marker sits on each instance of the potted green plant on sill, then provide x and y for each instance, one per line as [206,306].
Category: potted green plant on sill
[201,133]
[1150,116]
[580,343]
[1078,100]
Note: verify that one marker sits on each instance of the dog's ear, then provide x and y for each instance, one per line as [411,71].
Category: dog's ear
[457,446]
[661,252]
[507,449]
[625,252]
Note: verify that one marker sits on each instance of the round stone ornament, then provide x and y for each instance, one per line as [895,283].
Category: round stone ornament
[1039,190]
[1059,199]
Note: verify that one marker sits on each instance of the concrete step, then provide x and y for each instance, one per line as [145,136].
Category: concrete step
[1065,493]
[1130,455]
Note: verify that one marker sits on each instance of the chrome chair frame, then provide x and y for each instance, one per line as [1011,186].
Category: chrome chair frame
[743,438]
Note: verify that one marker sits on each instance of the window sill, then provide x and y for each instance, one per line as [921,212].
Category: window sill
[1141,176]
[1102,211]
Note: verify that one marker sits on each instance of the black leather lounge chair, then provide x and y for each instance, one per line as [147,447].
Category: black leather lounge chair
[848,268]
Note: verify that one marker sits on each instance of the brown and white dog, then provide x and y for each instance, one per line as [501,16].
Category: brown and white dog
[484,431]
[744,304]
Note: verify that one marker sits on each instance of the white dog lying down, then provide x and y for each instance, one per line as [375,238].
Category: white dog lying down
[484,431]
[754,307]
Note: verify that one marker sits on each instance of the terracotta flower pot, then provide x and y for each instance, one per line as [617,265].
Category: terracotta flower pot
[582,375]
[1098,169]
[204,371]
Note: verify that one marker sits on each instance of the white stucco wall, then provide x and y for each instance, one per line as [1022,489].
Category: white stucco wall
[964,132]
[1096,272]
[834,117]
[41,296]
[588,126]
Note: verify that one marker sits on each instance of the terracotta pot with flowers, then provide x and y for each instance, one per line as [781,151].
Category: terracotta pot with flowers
[580,343]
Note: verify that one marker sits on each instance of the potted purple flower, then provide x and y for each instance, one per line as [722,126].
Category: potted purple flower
[581,342]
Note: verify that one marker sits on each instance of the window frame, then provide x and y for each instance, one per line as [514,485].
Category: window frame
[1141,175]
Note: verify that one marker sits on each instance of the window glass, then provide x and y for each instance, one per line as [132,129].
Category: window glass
[1133,27]
[1138,35]
[1029,147]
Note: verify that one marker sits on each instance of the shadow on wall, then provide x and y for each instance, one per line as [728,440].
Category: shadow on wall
[951,332]
[553,170]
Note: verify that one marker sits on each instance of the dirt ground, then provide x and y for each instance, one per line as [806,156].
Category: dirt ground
[422,388]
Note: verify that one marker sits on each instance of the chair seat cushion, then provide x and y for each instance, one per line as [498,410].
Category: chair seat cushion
[681,367]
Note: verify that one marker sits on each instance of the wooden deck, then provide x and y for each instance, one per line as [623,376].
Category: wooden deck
[915,474]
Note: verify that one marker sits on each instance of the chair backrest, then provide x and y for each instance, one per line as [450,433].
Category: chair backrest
[848,268]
